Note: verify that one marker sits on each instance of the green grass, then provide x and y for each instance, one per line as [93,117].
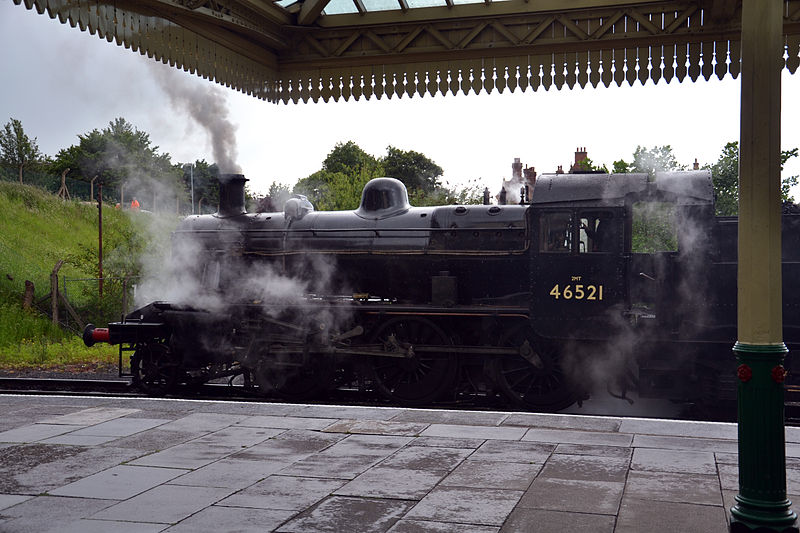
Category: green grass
[37,229]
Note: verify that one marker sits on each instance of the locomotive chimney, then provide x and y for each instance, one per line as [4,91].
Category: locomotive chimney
[231,195]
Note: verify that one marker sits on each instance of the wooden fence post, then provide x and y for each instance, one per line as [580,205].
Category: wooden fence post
[27,298]
[54,291]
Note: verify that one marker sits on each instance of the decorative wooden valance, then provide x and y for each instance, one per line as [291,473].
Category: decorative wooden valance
[262,49]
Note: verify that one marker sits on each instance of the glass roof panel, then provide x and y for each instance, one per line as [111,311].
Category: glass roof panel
[340,7]
[285,3]
[462,2]
[381,5]
[426,3]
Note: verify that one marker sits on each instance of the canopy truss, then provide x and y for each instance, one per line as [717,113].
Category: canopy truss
[332,49]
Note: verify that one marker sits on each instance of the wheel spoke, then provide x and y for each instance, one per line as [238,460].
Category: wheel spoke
[538,389]
[418,379]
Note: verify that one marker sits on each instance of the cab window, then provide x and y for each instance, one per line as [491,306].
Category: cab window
[654,227]
[599,231]
[555,232]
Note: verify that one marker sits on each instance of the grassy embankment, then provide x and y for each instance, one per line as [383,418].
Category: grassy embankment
[37,229]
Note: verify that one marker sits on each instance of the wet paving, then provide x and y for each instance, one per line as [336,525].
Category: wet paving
[75,464]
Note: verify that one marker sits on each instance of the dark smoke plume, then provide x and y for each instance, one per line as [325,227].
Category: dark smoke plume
[207,105]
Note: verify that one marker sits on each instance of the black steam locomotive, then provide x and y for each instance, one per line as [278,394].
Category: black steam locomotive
[597,280]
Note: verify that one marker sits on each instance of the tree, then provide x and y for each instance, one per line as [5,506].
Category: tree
[206,182]
[348,168]
[334,191]
[120,156]
[350,159]
[17,150]
[725,175]
[414,169]
[621,167]
[345,171]
[656,159]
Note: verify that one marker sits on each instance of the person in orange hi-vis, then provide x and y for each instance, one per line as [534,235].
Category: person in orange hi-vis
[134,204]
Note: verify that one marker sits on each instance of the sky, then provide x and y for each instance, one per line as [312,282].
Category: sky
[61,82]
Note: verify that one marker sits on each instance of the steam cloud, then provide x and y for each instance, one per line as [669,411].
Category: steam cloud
[207,106]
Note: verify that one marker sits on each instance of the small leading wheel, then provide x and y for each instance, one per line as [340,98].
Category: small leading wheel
[292,379]
[155,369]
[535,379]
[417,374]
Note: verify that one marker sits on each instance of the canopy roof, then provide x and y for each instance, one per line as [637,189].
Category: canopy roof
[300,50]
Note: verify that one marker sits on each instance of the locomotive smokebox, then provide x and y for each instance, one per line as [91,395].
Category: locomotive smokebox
[231,195]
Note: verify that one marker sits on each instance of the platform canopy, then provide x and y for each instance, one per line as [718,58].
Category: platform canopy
[303,50]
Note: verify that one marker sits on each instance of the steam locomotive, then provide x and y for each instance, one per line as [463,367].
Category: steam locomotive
[595,280]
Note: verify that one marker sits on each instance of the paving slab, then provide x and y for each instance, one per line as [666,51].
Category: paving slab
[637,515]
[572,495]
[594,449]
[447,442]
[201,423]
[586,467]
[10,500]
[34,432]
[122,427]
[348,412]
[426,458]
[45,477]
[118,483]
[230,473]
[566,436]
[492,475]
[513,452]
[151,440]
[427,526]
[218,519]
[286,493]
[680,428]
[524,520]
[466,505]
[290,446]
[90,416]
[554,421]
[49,514]
[165,504]
[472,432]
[682,461]
[88,525]
[376,427]
[671,487]
[285,422]
[685,443]
[190,455]
[438,416]
[337,514]
[383,482]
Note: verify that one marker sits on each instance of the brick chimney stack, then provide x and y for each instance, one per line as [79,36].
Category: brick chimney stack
[530,176]
[580,155]
[696,165]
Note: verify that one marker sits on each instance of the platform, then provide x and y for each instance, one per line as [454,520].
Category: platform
[84,465]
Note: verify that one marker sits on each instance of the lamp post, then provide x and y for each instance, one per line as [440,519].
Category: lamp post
[191,180]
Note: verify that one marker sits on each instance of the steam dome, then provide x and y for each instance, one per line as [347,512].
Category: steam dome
[383,198]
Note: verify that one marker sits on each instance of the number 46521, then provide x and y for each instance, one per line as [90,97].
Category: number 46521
[578,292]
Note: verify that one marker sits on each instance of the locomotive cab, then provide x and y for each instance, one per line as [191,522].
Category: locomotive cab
[609,249]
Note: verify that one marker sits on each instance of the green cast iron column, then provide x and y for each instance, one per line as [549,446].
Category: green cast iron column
[761,504]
